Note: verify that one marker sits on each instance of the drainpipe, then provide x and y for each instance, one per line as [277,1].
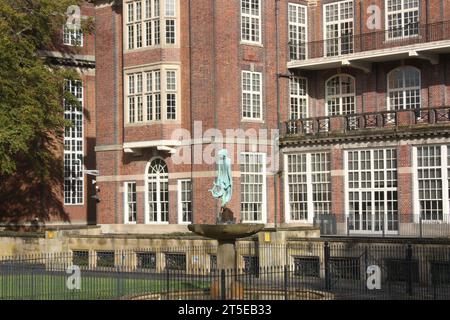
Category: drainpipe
[277,56]
[190,115]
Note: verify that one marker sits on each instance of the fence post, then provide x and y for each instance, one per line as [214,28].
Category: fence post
[420,226]
[222,285]
[409,266]
[348,226]
[167,283]
[366,265]
[286,282]
[327,266]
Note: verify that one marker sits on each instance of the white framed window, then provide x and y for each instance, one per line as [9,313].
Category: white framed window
[298,102]
[152,95]
[150,23]
[339,25]
[402,18]
[170,21]
[157,192]
[72,36]
[251,95]
[73,146]
[340,95]
[251,21]
[253,187]
[298,35]
[184,201]
[404,88]
[431,185]
[308,186]
[130,202]
[371,190]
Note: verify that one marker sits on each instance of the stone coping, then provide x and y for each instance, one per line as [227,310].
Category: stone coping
[376,240]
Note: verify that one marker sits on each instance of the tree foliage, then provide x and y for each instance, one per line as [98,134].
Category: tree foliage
[31,94]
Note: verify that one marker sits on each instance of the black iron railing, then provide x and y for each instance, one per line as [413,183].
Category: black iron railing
[366,121]
[352,43]
[300,270]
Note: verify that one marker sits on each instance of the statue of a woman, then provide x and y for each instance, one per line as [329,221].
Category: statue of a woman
[223,186]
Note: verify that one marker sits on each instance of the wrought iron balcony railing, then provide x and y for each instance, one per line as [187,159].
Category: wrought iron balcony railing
[410,34]
[367,121]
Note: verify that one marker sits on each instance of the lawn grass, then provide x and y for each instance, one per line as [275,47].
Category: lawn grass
[53,287]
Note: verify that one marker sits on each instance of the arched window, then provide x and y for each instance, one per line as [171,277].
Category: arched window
[157,192]
[340,95]
[404,88]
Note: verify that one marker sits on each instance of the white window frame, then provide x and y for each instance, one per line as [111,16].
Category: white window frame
[158,179]
[403,90]
[154,14]
[445,167]
[340,95]
[252,93]
[251,16]
[403,12]
[309,186]
[300,29]
[372,190]
[74,35]
[180,200]
[158,89]
[339,24]
[264,186]
[296,81]
[126,202]
[70,143]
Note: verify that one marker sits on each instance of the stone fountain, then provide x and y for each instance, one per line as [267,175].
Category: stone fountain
[226,231]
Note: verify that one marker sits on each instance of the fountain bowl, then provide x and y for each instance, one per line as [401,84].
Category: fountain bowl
[226,232]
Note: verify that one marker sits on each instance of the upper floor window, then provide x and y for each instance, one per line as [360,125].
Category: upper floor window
[340,95]
[251,95]
[251,21]
[339,28]
[298,102]
[402,18]
[144,21]
[73,146]
[147,99]
[297,31]
[404,88]
[72,36]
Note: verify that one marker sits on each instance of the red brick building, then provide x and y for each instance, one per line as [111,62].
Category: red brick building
[369,135]
[359,90]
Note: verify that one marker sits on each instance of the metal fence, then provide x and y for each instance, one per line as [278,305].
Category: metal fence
[413,226]
[299,270]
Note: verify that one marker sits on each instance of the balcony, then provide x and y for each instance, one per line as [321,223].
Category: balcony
[367,126]
[361,50]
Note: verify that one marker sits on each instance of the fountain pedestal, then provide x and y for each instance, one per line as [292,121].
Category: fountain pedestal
[226,235]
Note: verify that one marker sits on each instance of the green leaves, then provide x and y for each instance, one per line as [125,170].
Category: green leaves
[31,90]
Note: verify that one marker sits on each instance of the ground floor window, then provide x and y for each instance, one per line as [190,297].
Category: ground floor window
[184,201]
[308,180]
[371,190]
[432,182]
[130,202]
[157,192]
[253,187]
